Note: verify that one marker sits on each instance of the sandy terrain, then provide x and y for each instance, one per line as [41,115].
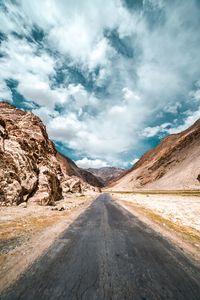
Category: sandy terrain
[177,217]
[179,209]
[25,233]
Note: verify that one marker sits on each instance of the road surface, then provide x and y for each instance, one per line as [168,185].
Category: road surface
[107,254]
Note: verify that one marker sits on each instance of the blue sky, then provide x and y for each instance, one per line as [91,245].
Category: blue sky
[109,79]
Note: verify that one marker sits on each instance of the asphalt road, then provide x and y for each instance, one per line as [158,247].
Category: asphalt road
[107,253]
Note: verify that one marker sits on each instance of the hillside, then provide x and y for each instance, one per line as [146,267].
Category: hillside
[173,164]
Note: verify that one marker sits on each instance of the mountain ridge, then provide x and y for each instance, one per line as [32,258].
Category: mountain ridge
[106,174]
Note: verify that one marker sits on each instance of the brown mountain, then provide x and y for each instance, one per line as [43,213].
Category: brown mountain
[106,174]
[30,167]
[69,167]
[173,164]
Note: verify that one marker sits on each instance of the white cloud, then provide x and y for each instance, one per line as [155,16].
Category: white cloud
[65,128]
[86,163]
[22,63]
[72,38]
[101,55]
[21,58]
[134,161]
[40,92]
[129,95]
[189,120]
[5,93]
[79,94]
[153,131]
[78,29]
[45,114]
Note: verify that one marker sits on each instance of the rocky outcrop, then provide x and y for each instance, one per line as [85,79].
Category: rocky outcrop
[71,169]
[173,164]
[75,180]
[29,167]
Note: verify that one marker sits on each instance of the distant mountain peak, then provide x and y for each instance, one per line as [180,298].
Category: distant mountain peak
[106,174]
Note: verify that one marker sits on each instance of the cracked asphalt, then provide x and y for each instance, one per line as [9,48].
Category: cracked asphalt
[108,253]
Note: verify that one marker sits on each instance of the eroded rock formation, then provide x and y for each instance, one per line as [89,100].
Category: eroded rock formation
[29,168]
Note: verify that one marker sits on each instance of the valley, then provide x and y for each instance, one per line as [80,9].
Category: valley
[112,233]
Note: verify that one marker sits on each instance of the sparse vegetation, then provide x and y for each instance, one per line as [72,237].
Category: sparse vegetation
[161,192]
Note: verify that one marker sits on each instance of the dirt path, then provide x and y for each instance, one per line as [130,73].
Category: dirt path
[108,253]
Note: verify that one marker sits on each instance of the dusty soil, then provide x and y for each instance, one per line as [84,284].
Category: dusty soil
[175,216]
[26,232]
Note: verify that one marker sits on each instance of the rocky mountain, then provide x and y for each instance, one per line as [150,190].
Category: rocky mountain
[30,167]
[105,174]
[173,164]
[69,167]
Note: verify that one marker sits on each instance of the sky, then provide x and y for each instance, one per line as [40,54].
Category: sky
[109,78]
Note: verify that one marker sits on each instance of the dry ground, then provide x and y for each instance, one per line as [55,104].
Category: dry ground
[175,216]
[26,232]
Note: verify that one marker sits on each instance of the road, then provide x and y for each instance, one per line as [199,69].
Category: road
[108,254]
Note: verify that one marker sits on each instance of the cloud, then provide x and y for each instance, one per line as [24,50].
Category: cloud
[189,120]
[101,54]
[195,94]
[134,161]
[156,130]
[172,108]
[31,70]
[129,95]
[127,71]
[65,128]
[40,92]
[86,163]
[5,93]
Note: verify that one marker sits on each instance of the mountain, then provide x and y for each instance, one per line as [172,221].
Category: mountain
[69,167]
[30,167]
[173,164]
[105,174]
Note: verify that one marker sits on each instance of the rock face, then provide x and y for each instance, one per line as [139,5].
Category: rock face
[173,164]
[29,167]
[106,174]
[71,169]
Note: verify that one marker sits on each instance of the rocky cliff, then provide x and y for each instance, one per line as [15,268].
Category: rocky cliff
[69,168]
[30,168]
[173,164]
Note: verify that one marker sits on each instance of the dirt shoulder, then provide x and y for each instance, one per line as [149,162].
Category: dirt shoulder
[174,217]
[25,233]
